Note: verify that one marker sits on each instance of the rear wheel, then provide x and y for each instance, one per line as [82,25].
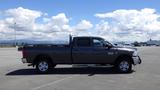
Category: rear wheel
[43,66]
[124,65]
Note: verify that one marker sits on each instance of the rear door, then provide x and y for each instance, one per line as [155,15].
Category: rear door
[82,50]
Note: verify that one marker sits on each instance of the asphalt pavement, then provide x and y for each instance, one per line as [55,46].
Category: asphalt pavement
[14,75]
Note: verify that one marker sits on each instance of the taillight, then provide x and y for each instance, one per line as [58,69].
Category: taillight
[23,53]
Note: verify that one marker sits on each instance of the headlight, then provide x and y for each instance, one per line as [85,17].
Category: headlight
[135,53]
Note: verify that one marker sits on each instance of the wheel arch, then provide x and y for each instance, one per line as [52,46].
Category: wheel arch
[37,58]
[124,56]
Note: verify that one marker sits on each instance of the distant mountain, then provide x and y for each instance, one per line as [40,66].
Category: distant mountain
[25,41]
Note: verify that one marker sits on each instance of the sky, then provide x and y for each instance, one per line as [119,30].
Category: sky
[114,20]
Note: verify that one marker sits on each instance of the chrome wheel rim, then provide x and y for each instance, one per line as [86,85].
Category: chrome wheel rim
[43,66]
[124,66]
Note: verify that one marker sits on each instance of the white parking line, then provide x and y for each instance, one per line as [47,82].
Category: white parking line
[52,83]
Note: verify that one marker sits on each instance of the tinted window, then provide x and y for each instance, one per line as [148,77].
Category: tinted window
[83,42]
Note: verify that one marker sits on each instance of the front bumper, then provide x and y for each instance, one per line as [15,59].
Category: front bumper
[136,60]
[24,60]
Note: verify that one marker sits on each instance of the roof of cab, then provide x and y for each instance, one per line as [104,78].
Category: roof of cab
[86,37]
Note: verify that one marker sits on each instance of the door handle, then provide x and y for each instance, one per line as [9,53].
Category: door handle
[75,50]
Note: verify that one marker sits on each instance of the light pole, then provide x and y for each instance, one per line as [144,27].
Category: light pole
[15,38]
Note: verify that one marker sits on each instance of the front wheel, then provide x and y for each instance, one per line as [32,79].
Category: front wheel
[124,65]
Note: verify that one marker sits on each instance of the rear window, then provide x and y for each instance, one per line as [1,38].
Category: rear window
[83,42]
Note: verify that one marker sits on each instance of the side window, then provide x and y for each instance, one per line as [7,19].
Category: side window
[97,43]
[83,42]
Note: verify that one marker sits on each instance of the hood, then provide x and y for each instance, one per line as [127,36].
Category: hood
[126,48]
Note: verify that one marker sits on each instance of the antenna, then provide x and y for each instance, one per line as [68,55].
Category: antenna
[70,39]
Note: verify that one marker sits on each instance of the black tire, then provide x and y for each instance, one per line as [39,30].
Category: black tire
[124,65]
[43,65]
[54,65]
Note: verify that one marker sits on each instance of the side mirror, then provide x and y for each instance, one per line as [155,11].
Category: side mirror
[116,44]
[109,46]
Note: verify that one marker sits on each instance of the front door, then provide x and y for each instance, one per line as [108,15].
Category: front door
[101,53]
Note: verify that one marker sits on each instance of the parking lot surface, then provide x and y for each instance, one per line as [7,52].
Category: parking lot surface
[14,75]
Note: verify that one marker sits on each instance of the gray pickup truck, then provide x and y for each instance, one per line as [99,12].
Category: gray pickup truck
[80,50]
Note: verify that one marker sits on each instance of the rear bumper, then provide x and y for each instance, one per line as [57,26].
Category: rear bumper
[24,60]
[136,60]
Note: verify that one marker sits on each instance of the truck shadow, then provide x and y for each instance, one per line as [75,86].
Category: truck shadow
[65,71]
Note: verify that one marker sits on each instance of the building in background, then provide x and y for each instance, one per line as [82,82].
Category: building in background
[153,42]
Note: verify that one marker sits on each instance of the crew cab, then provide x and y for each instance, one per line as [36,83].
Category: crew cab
[80,50]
